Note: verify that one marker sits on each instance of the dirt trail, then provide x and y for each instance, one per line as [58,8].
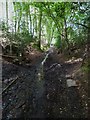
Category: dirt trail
[24,94]
[30,97]
[62,101]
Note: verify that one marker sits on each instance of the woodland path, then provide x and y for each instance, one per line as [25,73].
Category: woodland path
[29,97]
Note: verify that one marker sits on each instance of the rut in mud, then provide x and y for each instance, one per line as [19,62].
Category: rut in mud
[37,94]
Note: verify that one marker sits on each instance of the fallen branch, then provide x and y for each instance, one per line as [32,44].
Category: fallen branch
[21,105]
[7,56]
[10,85]
[53,66]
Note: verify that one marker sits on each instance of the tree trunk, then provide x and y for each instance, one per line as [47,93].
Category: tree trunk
[33,25]
[30,20]
[7,14]
[11,48]
[88,42]
[40,21]
[19,24]
[19,20]
[65,30]
[51,35]
[15,18]
[35,22]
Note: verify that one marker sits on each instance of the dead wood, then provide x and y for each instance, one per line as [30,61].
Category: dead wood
[10,85]
[7,56]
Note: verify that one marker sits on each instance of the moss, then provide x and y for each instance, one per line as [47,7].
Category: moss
[85,68]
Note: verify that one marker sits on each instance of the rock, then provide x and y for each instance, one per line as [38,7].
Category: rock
[71,83]
[68,76]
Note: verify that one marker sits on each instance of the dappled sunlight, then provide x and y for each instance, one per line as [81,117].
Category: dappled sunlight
[44,57]
[73,60]
[32,53]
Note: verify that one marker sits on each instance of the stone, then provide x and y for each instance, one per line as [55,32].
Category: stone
[71,83]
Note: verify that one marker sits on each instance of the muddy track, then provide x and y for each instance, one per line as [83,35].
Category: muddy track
[30,97]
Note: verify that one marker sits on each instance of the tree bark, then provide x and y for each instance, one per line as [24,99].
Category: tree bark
[7,14]
[15,18]
[65,30]
[40,21]
[30,19]
[35,22]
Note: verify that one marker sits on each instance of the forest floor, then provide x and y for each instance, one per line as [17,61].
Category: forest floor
[36,91]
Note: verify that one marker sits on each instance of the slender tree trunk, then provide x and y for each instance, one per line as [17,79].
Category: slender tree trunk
[2,10]
[15,26]
[52,31]
[33,25]
[65,30]
[40,21]
[88,42]
[15,18]
[27,20]
[11,48]
[19,20]
[11,40]
[7,13]
[35,21]
[30,19]
[18,29]
[66,36]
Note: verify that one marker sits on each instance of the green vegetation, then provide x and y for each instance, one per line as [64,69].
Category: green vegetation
[65,24]
[86,67]
[45,63]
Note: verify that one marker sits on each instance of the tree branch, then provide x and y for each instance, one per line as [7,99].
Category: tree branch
[54,19]
[83,25]
[10,84]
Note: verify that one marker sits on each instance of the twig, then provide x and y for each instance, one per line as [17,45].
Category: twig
[53,66]
[7,56]
[20,105]
[10,85]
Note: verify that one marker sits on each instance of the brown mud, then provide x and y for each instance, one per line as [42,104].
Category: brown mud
[25,96]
